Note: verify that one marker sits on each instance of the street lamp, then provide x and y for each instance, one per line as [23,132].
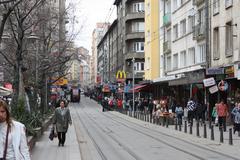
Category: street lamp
[133,83]
[35,38]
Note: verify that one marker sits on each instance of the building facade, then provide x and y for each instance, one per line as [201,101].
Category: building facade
[107,55]
[97,35]
[131,28]
[152,40]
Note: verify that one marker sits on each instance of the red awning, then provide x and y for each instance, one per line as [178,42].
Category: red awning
[137,88]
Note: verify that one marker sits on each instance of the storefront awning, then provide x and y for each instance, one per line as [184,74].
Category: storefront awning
[5,91]
[137,88]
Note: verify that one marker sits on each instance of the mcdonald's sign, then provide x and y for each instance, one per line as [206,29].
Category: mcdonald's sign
[121,76]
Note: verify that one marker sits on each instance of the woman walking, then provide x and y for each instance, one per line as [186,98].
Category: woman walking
[61,120]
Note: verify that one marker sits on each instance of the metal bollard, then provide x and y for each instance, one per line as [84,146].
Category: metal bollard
[167,121]
[210,124]
[230,136]
[185,126]
[204,131]
[190,129]
[180,127]
[197,130]
[221,135]
[176,127]
[212,132]
[238,134]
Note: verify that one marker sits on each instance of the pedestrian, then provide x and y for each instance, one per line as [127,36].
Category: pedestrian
[61,120]
[179,113]
[191,108]
[13,137]
[214,115]
[222,111]
[236,113]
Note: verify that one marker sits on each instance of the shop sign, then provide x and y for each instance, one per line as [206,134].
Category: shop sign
[60,82]
[213,89]
[195,77]
[214,71]
[209,82]
[121,76]
[229,71]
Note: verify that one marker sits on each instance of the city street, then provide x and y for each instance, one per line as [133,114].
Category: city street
[98,135]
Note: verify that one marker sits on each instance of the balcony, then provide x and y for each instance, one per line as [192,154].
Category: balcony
[199,32]
[135,35]
[133,16]
[136,55]
[167,19]
[167,47]
[198,2]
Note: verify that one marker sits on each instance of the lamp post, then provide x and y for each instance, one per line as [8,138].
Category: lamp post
[133,83]
[34,38]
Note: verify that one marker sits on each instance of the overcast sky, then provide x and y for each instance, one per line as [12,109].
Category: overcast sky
[88,13]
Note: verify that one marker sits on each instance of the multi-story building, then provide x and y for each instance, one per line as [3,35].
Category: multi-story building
[152,55]
[225,48]
[97,35]
[183,46]
[130,46]
[108,57]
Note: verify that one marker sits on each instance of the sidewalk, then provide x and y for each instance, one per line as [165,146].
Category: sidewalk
[46,149]
[235,137]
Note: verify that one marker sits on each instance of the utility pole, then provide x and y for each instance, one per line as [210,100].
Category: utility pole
[133,83]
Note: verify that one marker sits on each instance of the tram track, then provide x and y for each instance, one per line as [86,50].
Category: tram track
[118,120]
[101,154]
[108,133]
[170,136]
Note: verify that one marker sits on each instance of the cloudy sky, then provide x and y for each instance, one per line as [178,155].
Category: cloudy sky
[88,13]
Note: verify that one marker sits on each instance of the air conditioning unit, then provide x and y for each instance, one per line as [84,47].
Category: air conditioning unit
[236,55]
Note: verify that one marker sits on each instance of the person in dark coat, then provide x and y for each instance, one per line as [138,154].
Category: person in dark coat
[61,120]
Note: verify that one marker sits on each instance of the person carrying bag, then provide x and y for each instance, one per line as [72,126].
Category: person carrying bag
[53,133]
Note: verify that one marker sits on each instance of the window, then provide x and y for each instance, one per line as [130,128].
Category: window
[216,6]
[183,27]
[191,23]
[175,61]
[216,43]
[168,64]
[228,3]
[139,66]
[177,4]
[167,7]
[183,59]
[138,46]
[168,35]
[191,56]
[175,31]
[138,27]
[202,53]
[229,39]
[138,7]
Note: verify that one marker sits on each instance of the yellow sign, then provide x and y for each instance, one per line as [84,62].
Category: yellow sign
[121,75]
[61,82]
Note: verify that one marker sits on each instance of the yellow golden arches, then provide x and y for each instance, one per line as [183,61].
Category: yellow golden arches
[121,74]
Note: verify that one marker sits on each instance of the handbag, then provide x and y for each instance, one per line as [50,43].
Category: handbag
[6,145]
[52,134]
